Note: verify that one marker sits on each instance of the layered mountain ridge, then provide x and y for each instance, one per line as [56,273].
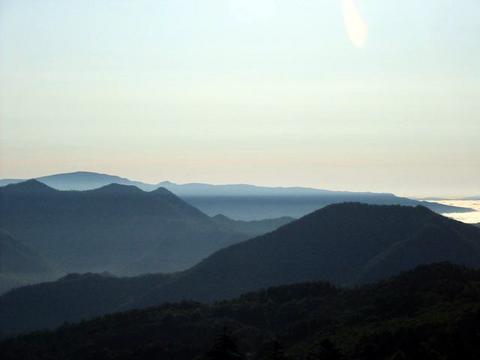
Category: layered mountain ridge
[431,312]
[116,228]
[240,201]
[20,265]
[346,244]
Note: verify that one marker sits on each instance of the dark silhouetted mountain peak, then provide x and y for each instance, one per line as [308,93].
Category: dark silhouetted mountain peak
[166,183]
[346,244]
[221,217]
[348,207]
[29,186]
[162,191]
[355,213]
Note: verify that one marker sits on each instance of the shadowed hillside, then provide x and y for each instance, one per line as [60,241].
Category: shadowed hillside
[346,244]
[432,312]
[20,265]
[116,228]
[71,298]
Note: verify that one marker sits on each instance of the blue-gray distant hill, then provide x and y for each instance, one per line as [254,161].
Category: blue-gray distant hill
[241,201]
[472,198]
[20,265]
[82,180]
[116,228]
[345,244]
[252,227]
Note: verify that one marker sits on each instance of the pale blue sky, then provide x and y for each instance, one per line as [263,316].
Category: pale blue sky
[268,92]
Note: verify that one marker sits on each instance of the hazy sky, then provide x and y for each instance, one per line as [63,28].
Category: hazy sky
[256,91]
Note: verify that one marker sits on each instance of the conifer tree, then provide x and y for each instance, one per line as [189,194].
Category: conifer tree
[224,348]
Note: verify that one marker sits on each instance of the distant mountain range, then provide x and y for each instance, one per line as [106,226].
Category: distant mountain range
[241,201]
[472,198]
[253,227]
[116,228]
[346,244]
[431,312]
[82,180]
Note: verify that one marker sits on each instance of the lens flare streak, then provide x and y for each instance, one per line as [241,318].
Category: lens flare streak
[357,28]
